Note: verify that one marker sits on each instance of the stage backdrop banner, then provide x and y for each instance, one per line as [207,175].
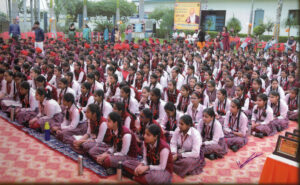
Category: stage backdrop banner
[186,15]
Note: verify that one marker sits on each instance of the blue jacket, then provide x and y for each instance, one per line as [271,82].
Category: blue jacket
[39,35]
[14,29]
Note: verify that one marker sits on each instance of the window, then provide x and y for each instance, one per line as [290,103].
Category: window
[214,18]
[258,17]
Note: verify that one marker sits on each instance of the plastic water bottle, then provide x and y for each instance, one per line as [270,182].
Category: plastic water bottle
[47,131]
[80,165]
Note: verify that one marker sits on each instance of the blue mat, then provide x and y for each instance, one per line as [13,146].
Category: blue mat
[59,146]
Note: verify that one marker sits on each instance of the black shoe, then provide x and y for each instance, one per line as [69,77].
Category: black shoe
[211,156]
[234,148]
[260,135]
[111,171]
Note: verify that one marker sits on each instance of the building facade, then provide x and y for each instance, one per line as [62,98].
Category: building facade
[221,11]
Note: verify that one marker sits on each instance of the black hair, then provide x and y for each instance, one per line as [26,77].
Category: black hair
[187,119]
[264,97]
[44,92]
[211,113]
[95,110]
[275,93]
[238,104]
[40,78]
[116,117]
[69,97]
[156,92]
[155,131]
[120,106]
[70,74]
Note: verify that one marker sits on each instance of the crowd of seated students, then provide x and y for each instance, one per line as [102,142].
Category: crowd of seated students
[172,104]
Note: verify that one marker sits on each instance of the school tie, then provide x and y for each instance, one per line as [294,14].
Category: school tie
[207,128]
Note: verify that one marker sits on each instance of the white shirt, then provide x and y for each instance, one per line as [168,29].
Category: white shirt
[264,120]
[74,119]
[196,115]
[33,103]
[101,132]
[191,145]
[164,122]
[243,123]
[163,158]
[51,107]
[221,106]
[133,108]
[13,89]
[217,132]
[126,141]
[279,90]
[107,108]
[283,109]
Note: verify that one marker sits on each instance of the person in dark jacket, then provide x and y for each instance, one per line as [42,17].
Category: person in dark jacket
[201,38]
[14,30]
[39,36]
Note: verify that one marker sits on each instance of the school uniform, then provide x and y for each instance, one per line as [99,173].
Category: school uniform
[182,103]
[79,76]
[188,77]
[157,85]
[212,96]
[230,91]
[280,121]
[123,148]
[233,124]
[76,88]
[252,94]
[62,92]
[170,96]
[131,105]
[179,81]
[105,108]
[292,107]
[98,141]
[245,104]
[72,125]
[170,124]
[8,90]
[278,89]
[113,93]
[238,81]
[96,86]
[195,114]
[130,78]
[282,81]
[221,109]
[159,161]
[29,108]
[85,100]
[158,110]
[49,111]
[265,127]
[190,160]
[163,80]
[139,84]
[213,141]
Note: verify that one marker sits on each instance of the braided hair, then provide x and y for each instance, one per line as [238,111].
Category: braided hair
[211,113]
[275,93]
[263,97]
[100,93]
[237,102]
[69,97]
[116,117]
[94,109]
[155,131]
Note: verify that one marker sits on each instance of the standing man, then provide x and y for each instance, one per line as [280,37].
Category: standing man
[201,38]
[14,30]
[39,36]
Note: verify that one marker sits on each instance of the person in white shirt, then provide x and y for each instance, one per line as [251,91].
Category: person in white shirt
[262,115]
[86,96]
[156,166]
[97,138]
[49,111]
[280,110]
[171,120]
[73,84]
[236,126]
[63,89]
[157,105]
[124,143]
[154,83]
[195,108]
[213,142]
[74,121]
[105,107]
[275,87]
[188,158]
[95,84]
[29,107]
[222,105]
[129,101]
[8,89]
[175,75]
[292,102]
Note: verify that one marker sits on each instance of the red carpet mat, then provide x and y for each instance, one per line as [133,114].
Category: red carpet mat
[24,159]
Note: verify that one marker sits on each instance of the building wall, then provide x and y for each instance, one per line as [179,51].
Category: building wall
[240,9]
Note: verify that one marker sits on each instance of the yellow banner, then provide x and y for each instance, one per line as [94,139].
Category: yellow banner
[186,15]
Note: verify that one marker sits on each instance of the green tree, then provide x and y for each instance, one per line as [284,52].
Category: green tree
[165,19]
[269,26]
[259,30]
[235,25]
[208,24]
